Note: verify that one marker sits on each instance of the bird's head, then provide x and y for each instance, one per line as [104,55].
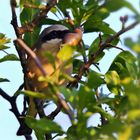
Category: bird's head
[52,34]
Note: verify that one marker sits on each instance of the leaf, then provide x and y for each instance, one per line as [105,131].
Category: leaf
[9,57]
[125,135]
[33,94]
[124,65]
[114,126]
[43,125]
[85,98]
[76,65]
[66,52]
[3,47]
[113,81]
[134,45]
[3,39]
[112,5]
[4,80]
[26,16]
[94,80]
[112,77]
[95,44]
[31,37]
[95,24]
[133,114]
[49,21]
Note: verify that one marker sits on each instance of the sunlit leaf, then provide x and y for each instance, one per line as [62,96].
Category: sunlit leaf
[124,64]
[66,52]
[112,77]
[3,47]
[3,39]
[33,94]
[125,135]
[113,81]
[133,114]
[43,125]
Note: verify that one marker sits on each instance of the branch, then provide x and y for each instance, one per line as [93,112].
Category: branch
[102,46]
[14,18]
[12,101]
[22,44]
[38,17]
[123,30]
[55,112]
[64,104]
[5,95]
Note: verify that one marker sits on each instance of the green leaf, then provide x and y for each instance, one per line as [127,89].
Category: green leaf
[114,125]
[26,16]
[43,125]
[85,98]
[3,39]
[31,37]
[4,80]
[95,24]
[112,77]
[95,44]
[124,65]
[68,94]
[9,57]
[94,80]
[134,45]
[49,21]
[133,114]
[112,5]
[3,47]
[33,94]
[113,81]
[76,65]
[66,52]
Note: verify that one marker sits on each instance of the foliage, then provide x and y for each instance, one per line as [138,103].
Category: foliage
[122,78]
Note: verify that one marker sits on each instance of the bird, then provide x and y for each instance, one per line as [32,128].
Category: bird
[49,43]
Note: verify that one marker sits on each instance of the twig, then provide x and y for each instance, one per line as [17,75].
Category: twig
[102,46]
[39,65]
[29,5]
[38,17]
[14,18]
[55,112]
[12,101]
[112,46]
[5,95]
[110,39]
[22,44]
[64,105]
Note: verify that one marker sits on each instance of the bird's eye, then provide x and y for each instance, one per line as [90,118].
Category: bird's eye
[54,34]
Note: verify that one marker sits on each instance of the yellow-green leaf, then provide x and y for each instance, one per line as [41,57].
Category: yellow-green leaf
[112,77]
[66,52]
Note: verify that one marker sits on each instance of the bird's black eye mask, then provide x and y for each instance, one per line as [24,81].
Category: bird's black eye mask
[55,35]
